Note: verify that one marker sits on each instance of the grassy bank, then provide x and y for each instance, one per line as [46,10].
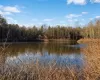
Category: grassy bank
[92,55]
[87,40]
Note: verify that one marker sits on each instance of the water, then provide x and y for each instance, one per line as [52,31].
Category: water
[62,53]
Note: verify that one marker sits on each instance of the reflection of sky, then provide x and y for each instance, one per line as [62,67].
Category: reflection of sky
[47,59]
[78,45]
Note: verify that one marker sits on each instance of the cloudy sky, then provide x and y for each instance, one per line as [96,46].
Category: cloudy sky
[51,12]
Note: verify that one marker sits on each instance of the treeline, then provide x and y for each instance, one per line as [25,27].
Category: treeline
[92,30]
[16,33]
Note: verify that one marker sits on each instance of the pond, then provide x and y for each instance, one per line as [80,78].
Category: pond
[62,53]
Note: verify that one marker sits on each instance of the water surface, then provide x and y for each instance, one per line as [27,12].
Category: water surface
[63,53]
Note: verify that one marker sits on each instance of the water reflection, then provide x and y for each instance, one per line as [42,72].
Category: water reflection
[47,59]
[64,54]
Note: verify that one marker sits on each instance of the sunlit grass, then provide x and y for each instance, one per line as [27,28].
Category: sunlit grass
[92,53]
[34,71]
[37,72]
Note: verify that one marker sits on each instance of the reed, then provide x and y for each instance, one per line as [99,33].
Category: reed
[92,55]
[34,71]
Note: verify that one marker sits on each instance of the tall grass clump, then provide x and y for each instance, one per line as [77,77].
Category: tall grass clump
[34,71]
[92,56]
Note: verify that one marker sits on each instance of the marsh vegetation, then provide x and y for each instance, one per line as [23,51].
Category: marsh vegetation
[44,62]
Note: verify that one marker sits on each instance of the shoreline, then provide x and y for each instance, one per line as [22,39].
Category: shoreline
[41,40]
[87,40]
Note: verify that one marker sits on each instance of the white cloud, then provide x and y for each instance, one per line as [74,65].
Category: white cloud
[73,16]
[84,12]
[48,20]
[97,17]
[10,9]
[5,13]
[95,1]
[70,16]
[80,2]
[11,20]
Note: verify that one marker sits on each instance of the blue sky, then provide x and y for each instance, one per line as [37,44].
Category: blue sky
[51,12]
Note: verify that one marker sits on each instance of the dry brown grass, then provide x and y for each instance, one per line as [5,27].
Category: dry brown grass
[89,41]
[92,56]
[36,72]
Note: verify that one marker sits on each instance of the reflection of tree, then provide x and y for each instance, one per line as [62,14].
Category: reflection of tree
[61,48]
[2,61]
[56,48]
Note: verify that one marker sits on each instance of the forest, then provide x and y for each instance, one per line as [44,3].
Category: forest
[16,33]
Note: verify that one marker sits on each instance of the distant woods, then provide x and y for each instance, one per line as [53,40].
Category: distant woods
[16,33]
